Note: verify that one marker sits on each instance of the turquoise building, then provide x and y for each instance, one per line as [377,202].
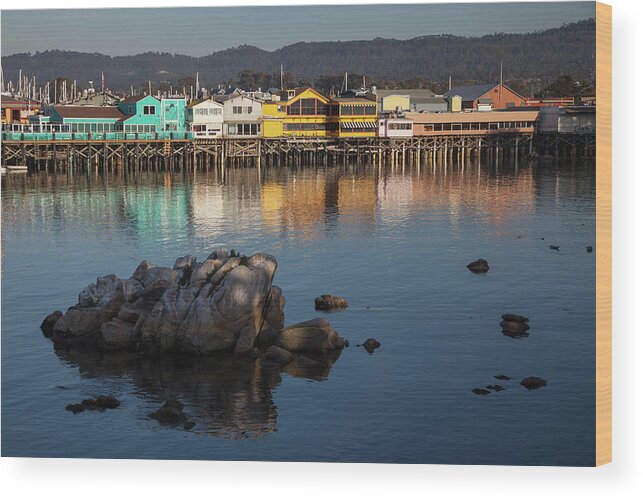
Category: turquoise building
[173,114]
[142,114]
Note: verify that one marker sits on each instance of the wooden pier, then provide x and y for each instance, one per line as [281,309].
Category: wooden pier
[203,154]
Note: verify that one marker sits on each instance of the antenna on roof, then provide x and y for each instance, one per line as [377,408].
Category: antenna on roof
[345,82]
[500,78]
[449,82]
[281,75]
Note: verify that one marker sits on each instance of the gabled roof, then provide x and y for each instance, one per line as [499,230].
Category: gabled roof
[415,93]
[201,101]
[87,111]
[136,98]
[470,92]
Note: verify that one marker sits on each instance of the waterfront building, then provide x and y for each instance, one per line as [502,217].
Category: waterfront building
[352,117]
[242,116]
[417,100]
[173,117]
[205,119]
[568,120]
[550,102]
[82,119]
[17,111]
[142,114]
[303,115]
[487,97]
[394,127]
[474,123]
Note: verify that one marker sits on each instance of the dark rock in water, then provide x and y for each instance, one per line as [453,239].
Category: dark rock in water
[479,266]
[171,413]
[510,317]
[495,387]
[100,403]
[554,248]
[75,407]
[480,391]
[278,355]
[47,325]
[370,344]
[501,377]
[327,302]
[313,336]
[514,327]
[533,383]
[107,402]
[187,425]
[589,248]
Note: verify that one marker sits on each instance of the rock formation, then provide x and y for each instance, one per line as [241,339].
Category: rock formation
[225,303]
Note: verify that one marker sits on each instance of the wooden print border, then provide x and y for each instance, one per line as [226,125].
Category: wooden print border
[603,233]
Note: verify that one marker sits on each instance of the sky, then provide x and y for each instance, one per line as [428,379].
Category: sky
[201,31]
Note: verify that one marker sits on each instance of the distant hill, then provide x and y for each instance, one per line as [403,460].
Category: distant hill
[547,54]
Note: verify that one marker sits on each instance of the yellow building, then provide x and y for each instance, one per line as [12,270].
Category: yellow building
[392,103]
[303,114]
[353,117]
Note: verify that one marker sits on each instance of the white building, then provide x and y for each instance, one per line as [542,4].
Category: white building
[241,117]
[395,128]
[205,119]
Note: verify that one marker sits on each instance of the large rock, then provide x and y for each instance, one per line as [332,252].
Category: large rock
[223,303]
[314,335]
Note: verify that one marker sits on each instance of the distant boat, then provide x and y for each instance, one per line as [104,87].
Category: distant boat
[15,168]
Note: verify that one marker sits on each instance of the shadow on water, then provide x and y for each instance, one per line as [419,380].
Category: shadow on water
[226,395]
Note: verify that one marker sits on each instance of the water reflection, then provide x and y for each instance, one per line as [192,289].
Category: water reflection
[227,396]
[306,204]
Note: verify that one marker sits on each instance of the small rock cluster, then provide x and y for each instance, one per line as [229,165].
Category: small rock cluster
[529,383]
[172,414]
[101,403]
[327,302]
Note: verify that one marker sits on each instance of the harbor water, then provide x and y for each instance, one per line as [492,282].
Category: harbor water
[393,241]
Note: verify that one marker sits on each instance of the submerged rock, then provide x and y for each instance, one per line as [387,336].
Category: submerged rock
[554,248]
[532,383]
[327,302]
[223,303]
[495,387]
[479,266]
[501,377]
[101,403]
[589,248]
[510,317]
[313,335]
[480,391]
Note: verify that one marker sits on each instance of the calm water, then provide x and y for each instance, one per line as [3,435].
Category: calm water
[394,243]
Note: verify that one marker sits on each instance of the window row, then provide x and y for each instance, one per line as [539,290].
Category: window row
[478,126]
[92,127]
[238,109]
[244,129]
[307,107]
[305,126]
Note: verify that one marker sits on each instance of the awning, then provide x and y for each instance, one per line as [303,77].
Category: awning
[359,125]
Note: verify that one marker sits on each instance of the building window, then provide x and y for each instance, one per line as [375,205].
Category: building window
[237,109]
[249,109]
[149,109]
